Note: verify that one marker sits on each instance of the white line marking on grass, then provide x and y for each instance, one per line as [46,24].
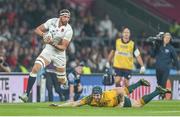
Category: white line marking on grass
[163,111]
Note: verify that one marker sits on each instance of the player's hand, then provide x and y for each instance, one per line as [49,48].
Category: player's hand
[142,70]
[107,65]
[70,100]
[48,40]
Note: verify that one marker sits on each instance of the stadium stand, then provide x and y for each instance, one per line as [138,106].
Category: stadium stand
[91,42]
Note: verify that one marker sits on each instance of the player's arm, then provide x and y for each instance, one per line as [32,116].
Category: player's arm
[71,92]
[139,59]
[40,30]
[78,103]
[63,44]
[71,104]
[111,55]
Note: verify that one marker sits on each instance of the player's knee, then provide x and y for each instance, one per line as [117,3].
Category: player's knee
[80,90]
[61,76]
[126,82]
[39,63]
[117,79]
[33,74]
[35,69]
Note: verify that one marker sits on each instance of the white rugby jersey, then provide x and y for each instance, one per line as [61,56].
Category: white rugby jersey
[58,33]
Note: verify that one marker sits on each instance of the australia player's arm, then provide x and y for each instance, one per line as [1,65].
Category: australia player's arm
[71,104]
[65,41]
[78,103]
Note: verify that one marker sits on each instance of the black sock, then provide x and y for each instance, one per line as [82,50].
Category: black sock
[31,82]
[150,96]
[133,86]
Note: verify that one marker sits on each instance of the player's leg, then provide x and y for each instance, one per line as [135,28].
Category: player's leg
[126,82]
[117,80]
[164,80]
[77,91]
[49,85]
[40,63]
[61,75]
[59,61]
[141,82]
[147,98]
[127,90]
[159,74]
[127,75]
[117,77]
[57,87]
[162,76]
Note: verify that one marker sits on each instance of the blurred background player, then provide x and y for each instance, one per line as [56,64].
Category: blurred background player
[52,82]
[55,50]
[123,52]
[75,86]
[165,54]
[73,89]
[117,97]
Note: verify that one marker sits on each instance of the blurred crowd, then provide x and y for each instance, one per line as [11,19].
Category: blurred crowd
[91,43]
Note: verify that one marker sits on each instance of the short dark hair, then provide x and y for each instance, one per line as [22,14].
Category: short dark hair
[124,27]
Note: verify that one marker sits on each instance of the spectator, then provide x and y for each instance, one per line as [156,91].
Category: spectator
[4,67]
[105,26]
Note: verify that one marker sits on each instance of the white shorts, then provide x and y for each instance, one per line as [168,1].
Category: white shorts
[58,58]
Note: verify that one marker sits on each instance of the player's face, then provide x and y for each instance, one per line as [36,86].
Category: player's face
[166,38]
[79,69]
[97,97]
[64,19]
[126,33]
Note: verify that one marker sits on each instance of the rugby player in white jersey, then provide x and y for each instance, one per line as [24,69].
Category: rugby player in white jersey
[57,34]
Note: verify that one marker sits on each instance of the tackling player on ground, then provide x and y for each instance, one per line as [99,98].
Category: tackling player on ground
[116,97]
[57,34]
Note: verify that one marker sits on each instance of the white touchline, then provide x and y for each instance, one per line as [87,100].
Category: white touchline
[163,111]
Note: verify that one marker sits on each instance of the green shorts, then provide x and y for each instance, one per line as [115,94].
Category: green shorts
[127,102]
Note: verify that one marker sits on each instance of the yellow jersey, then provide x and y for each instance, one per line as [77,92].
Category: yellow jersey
[124,54]
[109,99]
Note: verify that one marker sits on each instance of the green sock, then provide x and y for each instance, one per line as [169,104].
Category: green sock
[133,86]
[150,96]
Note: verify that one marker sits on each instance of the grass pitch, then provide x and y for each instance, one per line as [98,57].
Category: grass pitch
[168,108]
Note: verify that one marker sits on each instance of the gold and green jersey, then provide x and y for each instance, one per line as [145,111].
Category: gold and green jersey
[109,99]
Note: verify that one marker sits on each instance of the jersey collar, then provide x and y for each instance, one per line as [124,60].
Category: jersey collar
[124,41]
